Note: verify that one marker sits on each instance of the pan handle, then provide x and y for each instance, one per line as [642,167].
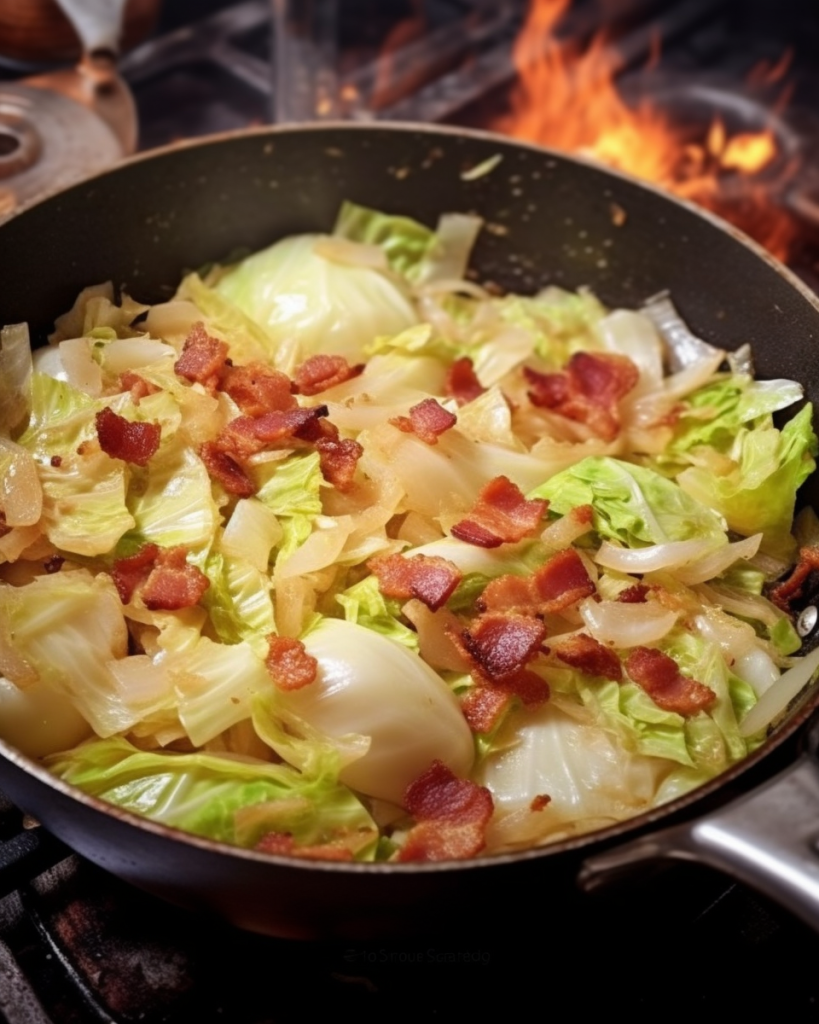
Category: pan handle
[768,839]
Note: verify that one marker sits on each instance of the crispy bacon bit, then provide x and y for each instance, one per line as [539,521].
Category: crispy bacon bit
[562,582]
[138,386]
[203,359]
[246,435]
[541,801]
[321,372]
[289,664]
[223,467]
[451,816]
[53,564]
[588,655]
[559,583]
[429,578]
[282,843]
[338,459]
[660,677]
[462,382]
[427,420]
[122,439]
[500,515]
[484,706]
[129,573]
[257,389]
[582,514]
[634,595]
[791,588]
[56,461]
[173,582]
[500,645]
[587,391]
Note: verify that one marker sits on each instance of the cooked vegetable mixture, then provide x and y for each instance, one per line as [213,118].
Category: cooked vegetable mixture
[339,555]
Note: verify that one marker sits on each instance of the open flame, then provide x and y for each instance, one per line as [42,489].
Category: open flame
[566,98]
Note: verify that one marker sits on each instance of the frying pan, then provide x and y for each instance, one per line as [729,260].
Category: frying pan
[551,219]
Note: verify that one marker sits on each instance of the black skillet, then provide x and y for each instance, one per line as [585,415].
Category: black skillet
[551,219]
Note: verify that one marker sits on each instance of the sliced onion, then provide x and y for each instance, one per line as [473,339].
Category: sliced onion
[563,532]
[21,495]
[670,555]
[776,699]
[627,625]
[349,253]
[718,561]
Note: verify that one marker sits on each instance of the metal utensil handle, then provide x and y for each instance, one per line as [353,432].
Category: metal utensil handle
[768,839]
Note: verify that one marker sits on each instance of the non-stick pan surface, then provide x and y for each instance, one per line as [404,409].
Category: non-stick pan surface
[550,219]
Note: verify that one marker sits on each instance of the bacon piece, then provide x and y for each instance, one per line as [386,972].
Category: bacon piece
[559,583]
[123,439]
[791,588]
[500,645]
[338,459]
[500,515]
[540,802]
[429,578]
[204,359]
[587,391]
[223,467]
[462,383]
[562,582]
[660,677]
[283,844]
[320,372]
[427,420]
[451,816]
[129,573]
[588,655]
[246,435]
[138,386]
[257,389]
[484,706]
[173,582]
[288,663]
[634,595]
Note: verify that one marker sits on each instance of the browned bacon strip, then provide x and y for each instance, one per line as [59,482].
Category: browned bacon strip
[129,573]
[587,391]
[338,459]
[203,359]
[257,389]
[138,386]
[501,645]
[320,372]
[427,420]
[451,816]
[173,582]
[462,383]
[429,578]
[500,515]
[791,588]
[484,706]
[123,439]
[223,467]
[588,655]
[559,583]
[660,676]
[283,844]
[288,663]
[162,576]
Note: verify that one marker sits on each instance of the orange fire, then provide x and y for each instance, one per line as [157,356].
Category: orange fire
[566,98]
